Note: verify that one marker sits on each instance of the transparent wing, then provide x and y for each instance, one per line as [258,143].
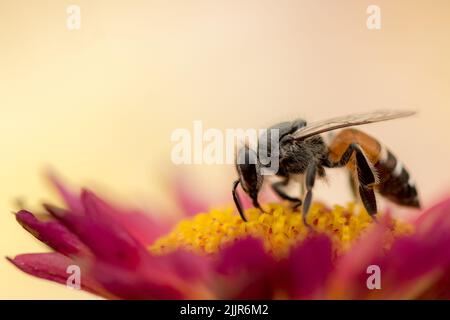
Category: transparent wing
[349,121]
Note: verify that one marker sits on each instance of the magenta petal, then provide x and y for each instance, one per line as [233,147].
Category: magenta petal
[106,241]
[351,268]
[412,257]
[135,284]
[144,228]
[140,225]
[53,266]
[250,272]
[70,198]
[309,267]
[424,253]
[435,220]
[179,275]
[244,255]
[440,289]
[185,265]
[52,233]
[96,208]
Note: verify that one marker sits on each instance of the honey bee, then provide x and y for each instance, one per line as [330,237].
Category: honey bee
[303,153]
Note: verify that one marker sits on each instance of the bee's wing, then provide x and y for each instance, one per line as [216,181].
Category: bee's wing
[349,121]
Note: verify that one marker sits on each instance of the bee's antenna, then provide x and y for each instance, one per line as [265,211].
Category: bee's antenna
[237,200]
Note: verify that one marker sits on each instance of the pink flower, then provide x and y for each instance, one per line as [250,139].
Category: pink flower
[135,255]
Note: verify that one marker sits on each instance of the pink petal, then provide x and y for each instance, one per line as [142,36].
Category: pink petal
[350,271]
[424,254]
[106,241]
[53,267]
[70,198]
[309,267]
[413,264]
[248,271]
[142,226]
[413,257]
[435,219]
[127,284]
[52,233]
[439,290]
[179,275]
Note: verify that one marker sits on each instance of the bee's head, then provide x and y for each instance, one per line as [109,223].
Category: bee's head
[250,177]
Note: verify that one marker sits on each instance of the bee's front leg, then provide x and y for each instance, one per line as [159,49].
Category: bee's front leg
[278,188]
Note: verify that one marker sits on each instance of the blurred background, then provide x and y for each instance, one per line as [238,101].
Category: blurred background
[99,104]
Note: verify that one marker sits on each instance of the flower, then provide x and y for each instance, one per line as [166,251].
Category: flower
[127,254]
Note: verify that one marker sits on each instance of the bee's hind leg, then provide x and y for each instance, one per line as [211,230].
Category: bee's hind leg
[353,186]
[366,195]
[368,199]
[366,176]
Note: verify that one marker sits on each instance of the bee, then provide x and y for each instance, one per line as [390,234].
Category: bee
[304,154]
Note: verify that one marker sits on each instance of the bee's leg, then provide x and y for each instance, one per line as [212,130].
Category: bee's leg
[256,204]
[353,186]
[278,188]
[366,179]
[310,178]
[302,189]
[368,199]
[366,176]
[237,201]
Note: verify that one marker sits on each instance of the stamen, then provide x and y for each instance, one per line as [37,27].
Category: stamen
[280,227]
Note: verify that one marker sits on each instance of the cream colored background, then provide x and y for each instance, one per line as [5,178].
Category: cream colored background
[99,104]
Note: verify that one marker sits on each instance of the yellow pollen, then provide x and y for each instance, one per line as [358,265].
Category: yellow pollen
[280,227]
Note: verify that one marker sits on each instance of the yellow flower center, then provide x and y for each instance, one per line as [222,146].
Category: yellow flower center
[279,227]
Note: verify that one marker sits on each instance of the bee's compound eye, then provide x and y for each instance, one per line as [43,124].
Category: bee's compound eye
[248,169]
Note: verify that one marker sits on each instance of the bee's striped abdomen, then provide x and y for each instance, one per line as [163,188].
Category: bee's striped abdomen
[395,182]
